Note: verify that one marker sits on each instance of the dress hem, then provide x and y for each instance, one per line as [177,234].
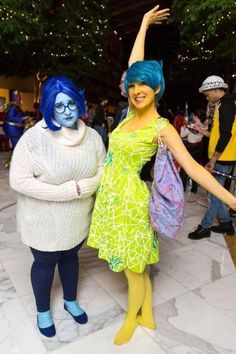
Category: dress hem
[121,270]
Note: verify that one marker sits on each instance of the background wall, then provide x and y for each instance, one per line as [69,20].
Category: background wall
[24,86]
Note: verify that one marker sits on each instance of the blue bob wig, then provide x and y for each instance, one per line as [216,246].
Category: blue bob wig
[148,72]
[51,88]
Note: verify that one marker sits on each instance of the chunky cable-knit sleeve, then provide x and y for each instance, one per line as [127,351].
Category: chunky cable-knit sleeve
[23,180]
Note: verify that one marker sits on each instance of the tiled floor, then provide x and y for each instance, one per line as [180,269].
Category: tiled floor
[194,295]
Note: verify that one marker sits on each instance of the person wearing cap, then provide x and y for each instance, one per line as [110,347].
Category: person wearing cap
[221,153]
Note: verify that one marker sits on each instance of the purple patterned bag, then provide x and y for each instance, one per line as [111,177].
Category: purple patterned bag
[166,205]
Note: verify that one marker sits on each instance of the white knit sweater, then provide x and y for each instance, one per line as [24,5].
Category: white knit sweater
[45,169]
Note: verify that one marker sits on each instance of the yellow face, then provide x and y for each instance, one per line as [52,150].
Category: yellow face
[141,95]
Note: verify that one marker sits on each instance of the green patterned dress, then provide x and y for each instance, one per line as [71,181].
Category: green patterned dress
[120,226]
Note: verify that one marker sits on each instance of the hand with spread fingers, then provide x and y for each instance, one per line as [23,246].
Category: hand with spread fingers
[156,16]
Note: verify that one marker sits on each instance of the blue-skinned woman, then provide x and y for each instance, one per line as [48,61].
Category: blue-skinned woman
[120,227]
[56,169]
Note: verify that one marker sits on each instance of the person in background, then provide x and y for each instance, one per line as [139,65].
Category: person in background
[100,121]
[211,106]
[178,119]
[123,105]
[4,140]
[91,113]
[125,109]
[13,125]
[56,169]
[221,153]
[165,111]
[84,117]
[2,109]
[193,141]
[16,97]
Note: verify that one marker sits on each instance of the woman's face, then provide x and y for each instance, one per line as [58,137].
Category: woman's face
[141,95]
[66,111]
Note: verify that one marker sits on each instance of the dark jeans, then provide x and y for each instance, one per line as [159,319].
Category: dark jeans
[42,274]
[215,206]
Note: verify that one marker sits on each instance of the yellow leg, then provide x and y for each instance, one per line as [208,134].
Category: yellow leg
[146,318]
[136,295]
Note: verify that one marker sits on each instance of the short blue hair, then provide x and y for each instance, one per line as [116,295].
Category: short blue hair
[51,88]
[148,72]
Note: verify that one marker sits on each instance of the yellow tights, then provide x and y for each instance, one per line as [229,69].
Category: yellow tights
[139,297]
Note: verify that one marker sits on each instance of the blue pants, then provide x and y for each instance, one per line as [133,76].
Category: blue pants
[42,274]
[215,206]
[14,133]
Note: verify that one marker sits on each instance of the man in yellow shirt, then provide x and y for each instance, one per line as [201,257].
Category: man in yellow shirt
[221,153]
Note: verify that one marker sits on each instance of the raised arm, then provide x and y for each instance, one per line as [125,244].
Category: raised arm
[154,16]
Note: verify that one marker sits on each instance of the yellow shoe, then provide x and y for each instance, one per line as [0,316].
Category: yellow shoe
[149,323]
[126,332]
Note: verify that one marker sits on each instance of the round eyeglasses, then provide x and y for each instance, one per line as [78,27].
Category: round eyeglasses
[60,107]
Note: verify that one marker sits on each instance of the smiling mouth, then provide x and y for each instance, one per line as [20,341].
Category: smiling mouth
[140,99]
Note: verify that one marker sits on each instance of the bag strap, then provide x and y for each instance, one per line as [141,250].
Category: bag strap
[160,142]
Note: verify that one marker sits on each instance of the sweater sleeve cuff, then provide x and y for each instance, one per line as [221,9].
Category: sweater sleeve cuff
[87,187]
[71,190]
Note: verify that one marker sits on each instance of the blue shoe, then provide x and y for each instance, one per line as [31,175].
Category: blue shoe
[47,326]
[48,331]
[81,319]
